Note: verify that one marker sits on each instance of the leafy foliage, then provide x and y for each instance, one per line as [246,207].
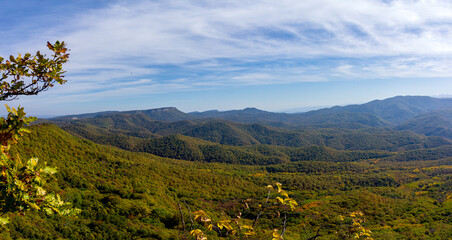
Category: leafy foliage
[13,126]
[387,175]
[240,227]
[351,227]
[133,126]
[29,75]
[22,184]
[126,194]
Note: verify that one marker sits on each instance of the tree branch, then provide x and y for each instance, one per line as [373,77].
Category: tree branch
[181,215]
[262,210]
[284,225]
[189,215]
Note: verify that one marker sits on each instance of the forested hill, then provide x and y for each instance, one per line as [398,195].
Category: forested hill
[135,195]
[218,140]
[240,134]
[423,115]
[145,174]
[393,110]
[385,112]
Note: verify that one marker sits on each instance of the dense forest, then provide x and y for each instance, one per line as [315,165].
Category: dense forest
[136,177]
[158,120]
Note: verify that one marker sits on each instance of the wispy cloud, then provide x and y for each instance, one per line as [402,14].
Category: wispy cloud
[188,45]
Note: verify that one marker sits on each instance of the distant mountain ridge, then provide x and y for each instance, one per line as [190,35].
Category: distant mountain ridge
[169,114]
[395,110]
[389,112]
[247,115]
[161,114]
[436,123]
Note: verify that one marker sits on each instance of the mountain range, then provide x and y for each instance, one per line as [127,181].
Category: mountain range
[252,136]
[420,114]
[147,174]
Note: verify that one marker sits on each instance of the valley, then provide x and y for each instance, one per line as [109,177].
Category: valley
[145,174]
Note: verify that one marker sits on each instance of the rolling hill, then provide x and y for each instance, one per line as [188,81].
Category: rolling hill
[135,195]
[143,174]
[378,113]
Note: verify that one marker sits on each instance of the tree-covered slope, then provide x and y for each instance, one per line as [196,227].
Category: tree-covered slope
[377,113]
[437,123]
[130,195]
[239,134]
[270,146]
[393,110]
[123,195]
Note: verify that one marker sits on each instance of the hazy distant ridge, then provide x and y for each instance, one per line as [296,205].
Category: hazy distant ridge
[378,113]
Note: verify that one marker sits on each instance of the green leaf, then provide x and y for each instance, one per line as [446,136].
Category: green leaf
[34,206]
[4,220]
[33,162]
[50,170]
[20,185]
[284,193]
[40,191]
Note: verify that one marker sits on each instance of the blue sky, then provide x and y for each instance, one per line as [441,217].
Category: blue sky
[217,54]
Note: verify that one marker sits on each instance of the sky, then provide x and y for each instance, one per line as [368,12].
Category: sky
[197,55]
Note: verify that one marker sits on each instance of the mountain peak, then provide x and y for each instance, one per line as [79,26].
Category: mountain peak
[252,109]
[163,109]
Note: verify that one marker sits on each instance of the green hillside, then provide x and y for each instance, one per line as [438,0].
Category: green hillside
[132,195]
[388,112]
[239,134]
[393,110]
[437,123]
[121,194]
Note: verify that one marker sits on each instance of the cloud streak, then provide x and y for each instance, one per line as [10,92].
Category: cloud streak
[182,31]
[145,47]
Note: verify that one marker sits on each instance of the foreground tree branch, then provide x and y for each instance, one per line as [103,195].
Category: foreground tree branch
[30,75]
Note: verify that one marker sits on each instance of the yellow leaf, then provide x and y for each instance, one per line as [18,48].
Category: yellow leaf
[276,235]
[200,213]
[34,206]
[32,162]
[228,227]
[247,227]
[220,226]
[4,220]
[20,185]
[250,233]
[50,170]
[210,227]
[41,191]
[284,193]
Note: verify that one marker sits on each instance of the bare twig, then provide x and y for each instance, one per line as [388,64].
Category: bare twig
[181,215]
[284,225]
[189,215]
[315,236]
[262,210]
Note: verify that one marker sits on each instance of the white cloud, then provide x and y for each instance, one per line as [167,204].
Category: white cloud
[224,42]
[409,68]
[176,32]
